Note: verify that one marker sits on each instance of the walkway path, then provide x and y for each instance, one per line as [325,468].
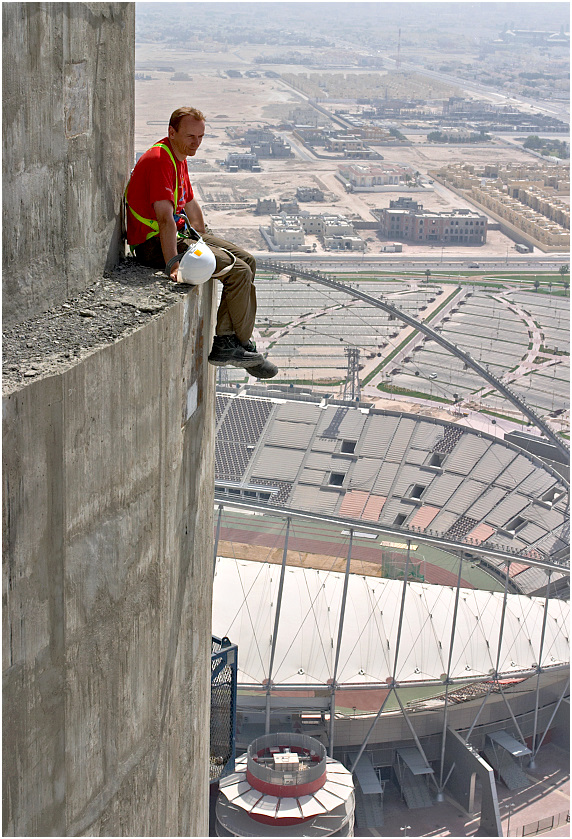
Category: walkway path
[416,340]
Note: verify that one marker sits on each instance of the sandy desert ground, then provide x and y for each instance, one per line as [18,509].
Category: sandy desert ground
[247,102]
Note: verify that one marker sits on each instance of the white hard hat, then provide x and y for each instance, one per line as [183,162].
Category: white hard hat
[197,265]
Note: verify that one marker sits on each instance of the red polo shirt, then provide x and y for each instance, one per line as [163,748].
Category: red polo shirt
[153,179]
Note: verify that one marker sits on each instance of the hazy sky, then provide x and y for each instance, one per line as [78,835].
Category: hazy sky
[485,15]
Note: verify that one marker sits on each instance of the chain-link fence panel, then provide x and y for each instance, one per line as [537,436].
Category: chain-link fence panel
[224,660]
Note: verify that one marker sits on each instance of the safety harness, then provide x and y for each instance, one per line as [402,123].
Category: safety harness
[153,223]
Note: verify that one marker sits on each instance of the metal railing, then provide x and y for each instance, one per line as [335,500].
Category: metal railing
[541,826]
[224,669]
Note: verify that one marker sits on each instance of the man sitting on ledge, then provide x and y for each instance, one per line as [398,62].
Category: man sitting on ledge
[158,191]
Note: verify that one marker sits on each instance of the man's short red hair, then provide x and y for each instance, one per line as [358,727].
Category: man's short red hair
[178,115]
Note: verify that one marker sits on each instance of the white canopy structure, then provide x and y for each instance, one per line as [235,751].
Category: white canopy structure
[245,600]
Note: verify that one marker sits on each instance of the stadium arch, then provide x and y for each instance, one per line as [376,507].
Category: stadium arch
[466,358]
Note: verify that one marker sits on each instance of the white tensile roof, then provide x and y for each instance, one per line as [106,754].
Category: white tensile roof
[244,604]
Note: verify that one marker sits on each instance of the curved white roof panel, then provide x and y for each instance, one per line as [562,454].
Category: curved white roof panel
[244,606]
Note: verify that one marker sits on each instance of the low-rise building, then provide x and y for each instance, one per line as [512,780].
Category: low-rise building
[344,144]
[290,207]
[405,202]
[309,193]
[286,232]
[265,206]
[365,177]
[544,202]
[264,143]
[336,232]
[376,133]
[466,227]
[326,224]
[338,242]
[547,234]
[304,116]
[242,160]
[454,134]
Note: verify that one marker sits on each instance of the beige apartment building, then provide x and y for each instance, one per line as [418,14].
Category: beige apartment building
[543,202]
[523,198]
[375,133]
[325,224]
[344,144]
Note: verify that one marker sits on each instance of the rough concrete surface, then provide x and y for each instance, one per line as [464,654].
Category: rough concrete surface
[67,141]
[108,454]
[108,486]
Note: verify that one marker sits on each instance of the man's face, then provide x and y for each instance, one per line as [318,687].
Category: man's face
[188,138]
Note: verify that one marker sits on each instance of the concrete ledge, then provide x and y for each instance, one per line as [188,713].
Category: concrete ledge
[108,471]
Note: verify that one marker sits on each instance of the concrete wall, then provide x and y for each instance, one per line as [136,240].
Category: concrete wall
[392,728]
[67,146]
[561,728]
[468,765]
[108,503]
[108,470]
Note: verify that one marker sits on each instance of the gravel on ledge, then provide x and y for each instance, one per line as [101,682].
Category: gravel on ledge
[115,305]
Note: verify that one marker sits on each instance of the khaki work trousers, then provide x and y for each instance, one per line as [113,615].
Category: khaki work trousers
[237,309]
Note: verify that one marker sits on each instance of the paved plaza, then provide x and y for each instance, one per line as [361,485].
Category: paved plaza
[548,796]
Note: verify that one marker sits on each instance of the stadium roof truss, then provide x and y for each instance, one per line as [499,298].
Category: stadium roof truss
[301,628]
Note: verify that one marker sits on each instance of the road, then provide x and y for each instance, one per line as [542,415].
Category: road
[390,262]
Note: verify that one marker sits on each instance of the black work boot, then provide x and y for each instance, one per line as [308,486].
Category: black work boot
[227,349]
[265,370]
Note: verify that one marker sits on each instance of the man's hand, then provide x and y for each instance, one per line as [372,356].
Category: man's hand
[167,233]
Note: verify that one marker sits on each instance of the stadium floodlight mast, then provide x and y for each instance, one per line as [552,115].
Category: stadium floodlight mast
[466,358]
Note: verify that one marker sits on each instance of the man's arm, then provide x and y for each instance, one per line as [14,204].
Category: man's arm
[195,216]
[167,233]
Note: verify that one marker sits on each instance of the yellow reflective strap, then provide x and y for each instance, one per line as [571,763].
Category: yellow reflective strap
[153,223]
[169,152]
